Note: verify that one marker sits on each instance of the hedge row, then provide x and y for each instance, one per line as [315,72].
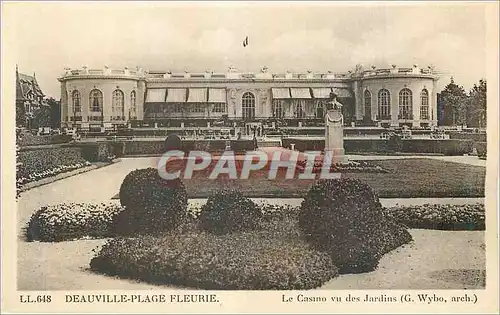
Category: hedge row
[481,148]
[27,139]
[158,146]
[428,216]
[446,147]
[246,261]
[46,160]
[440,217]
[70,221]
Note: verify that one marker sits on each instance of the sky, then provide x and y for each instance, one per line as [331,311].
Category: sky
[46,37]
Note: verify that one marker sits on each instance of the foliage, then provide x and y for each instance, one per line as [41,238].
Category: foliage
[440,216]
[256,260]
[454,100]
[228,211]
[41,163]
[345,218]
[152,203]
[476,112]
[68,221]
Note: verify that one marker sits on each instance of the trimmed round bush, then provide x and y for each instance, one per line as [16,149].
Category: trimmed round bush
[344,217]
[228,211]
[152,204]
[244,261]
[69,221]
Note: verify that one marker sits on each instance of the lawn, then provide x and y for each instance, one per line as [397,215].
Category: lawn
[406,178]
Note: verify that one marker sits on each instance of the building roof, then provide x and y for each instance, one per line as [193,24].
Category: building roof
[26,85]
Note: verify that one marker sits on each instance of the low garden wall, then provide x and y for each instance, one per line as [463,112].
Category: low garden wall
[446,147]
[28,139]
[476,137]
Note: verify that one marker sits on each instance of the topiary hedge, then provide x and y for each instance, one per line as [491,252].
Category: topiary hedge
[228,211]
[345,218]
[440,217]
[244,261]
[69,221]
[152,204]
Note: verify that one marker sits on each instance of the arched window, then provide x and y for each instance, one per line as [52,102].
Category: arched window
[320,113]
[117,104]
[95,100]
[384,104]
[424,104]
[75,98]
[405,104]
[277,108]
[368,105]
[248,106]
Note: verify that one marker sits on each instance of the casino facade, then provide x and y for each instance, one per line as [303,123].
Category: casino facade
[110,98]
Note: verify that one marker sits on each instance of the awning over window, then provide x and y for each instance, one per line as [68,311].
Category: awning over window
[176,95]
[197,95]
[279,93]
[301,93]
[321,92]
[342,92]
[155,96]
[217,95]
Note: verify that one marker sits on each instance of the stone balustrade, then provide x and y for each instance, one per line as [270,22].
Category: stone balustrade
[233,74]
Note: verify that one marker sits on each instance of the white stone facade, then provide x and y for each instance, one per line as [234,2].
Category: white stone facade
[250,97]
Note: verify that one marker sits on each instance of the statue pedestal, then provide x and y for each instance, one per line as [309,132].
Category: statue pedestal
[334,135]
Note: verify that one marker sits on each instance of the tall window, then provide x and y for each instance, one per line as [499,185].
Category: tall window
[384,104]
[405,104]
[368,105]
[277,108]
[424,104]
[75,98]
[177,108]
[95,101]
[132,101]
[117,105]
[299,109]
[320,113]
[219,108]
[248,106]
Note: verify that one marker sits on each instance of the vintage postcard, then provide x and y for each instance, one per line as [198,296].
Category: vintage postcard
[249,157]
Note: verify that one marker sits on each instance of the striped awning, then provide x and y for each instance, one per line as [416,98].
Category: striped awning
[197,95]
[280,93]
[217,95]
[342,92]
[300,93]
[155,96]
[321,92]
[176,95]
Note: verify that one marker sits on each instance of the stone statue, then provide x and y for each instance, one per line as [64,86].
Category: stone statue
[334,130]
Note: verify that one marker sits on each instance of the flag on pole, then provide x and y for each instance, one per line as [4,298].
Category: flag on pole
[245,42]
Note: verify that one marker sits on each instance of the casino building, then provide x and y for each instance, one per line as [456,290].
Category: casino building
[109,98]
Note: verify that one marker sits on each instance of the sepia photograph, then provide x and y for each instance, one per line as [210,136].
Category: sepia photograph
[203,148]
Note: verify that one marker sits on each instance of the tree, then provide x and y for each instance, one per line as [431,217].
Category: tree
[454,100]
[55,112]
[476,111]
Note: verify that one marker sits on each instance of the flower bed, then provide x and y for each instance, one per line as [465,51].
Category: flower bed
[40,163]
[440,217]
[70,221]
[257,260]
[349,167]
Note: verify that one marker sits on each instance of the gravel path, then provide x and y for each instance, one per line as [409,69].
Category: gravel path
[450,257]
[450,260]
